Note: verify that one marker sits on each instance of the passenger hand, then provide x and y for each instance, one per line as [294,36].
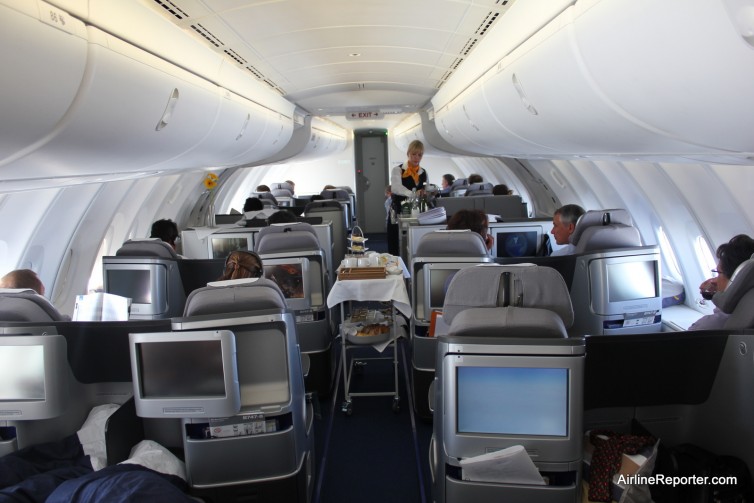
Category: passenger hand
[488,241]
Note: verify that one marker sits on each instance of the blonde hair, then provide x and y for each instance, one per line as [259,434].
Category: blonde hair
[415,146]
[242,264]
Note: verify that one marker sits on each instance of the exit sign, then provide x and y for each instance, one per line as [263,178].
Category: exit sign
[363,115]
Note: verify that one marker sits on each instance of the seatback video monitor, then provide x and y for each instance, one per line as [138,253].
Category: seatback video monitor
[221,244]
[516,240]
[496,401]
[185,374]
[146,284]
[292,275]
[626,284]
[34,376]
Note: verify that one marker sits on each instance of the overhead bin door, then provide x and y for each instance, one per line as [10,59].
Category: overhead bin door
[43,61]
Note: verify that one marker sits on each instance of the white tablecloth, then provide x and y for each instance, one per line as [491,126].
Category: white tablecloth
[392,288]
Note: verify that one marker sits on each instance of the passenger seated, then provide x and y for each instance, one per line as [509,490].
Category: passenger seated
[446,184]
[563,224]
[23,278]
[501,189]
[23,304]
[282,217]
[242,264]
[167,231]
[730,256]
[474,220]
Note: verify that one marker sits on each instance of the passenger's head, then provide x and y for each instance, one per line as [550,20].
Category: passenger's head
[262,188]
[415,152]
[23,278]
[329,187]
[474,178]
[730,255]
[242,264]
[282,217]
[165,229]
[316,197]
[293,186]
[564,222]
[253,204]
[473,220]
[501,190]
[447,180]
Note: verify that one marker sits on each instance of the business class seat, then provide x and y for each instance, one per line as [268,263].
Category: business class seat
[275,465]
[738,298]
[335,213]
[603,230]
[479,189]
[508,331]
[458,187]
[147,272]
[293,257]
[439,255]
[151,247]
[27,305]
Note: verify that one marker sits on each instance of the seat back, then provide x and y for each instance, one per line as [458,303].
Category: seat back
[439,255]
[268,200]
[234,296]
[271,380]
[479,189]
[458,187]
[738,298]
[517,300]
[151,247]
[336,213]
[26,305]
[604,230]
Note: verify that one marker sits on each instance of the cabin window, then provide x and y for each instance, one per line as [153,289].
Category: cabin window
[704,255]
[96,283]
[671,263]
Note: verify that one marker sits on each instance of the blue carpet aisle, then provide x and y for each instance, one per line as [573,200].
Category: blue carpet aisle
[375,455]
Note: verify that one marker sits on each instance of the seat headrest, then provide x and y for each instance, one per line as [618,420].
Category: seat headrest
[603,230]
[741,282]
[524,285]
[479,189]
[458,182]
[27,305]
[281,193]
[509,322]
[326,205]
[298,236]
[451,244]
[337,194]
[281,186]
[150,247]
[259,295]
[266,198]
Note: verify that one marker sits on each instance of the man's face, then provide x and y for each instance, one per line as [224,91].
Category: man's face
[561,231]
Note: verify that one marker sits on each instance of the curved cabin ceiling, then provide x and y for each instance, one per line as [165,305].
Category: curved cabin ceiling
[343,58]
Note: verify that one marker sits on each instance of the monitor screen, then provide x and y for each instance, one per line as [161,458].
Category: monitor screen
[289,277]
[195,368]
[33,376]
[136,284]
[439,279]
[512,401]
[517,243]
[22,373]
[187,375]
[221,246]
[631,280]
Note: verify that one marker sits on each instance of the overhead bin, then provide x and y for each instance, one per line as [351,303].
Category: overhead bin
[43,64]
[588,85]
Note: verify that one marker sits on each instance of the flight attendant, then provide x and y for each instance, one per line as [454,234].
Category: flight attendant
[404,179]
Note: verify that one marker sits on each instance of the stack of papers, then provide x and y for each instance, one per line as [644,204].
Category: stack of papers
[507,466]
[433,216]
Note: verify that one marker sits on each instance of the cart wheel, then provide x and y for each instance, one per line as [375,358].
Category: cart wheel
[396,404]
[347,408]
